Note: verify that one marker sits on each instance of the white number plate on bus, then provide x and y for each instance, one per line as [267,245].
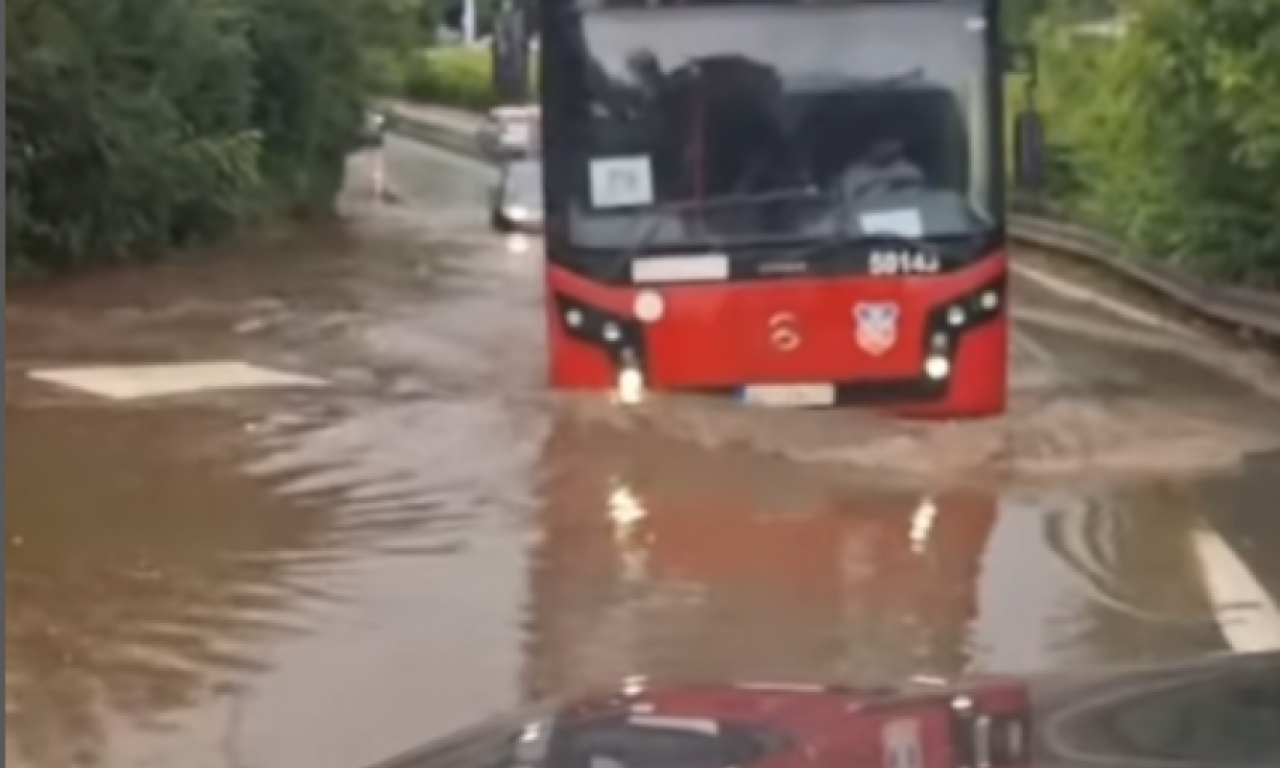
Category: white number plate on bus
[790,395]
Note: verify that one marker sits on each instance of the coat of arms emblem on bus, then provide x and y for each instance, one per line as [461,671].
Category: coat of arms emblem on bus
[876,326]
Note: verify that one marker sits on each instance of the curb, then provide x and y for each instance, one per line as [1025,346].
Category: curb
[1251,313]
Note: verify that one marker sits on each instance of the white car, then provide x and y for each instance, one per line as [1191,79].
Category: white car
[516,206]
[510,132]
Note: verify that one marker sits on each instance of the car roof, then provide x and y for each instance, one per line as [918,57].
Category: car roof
[514,112]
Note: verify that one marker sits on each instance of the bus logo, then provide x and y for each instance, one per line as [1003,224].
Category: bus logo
[783,332]
[876,326]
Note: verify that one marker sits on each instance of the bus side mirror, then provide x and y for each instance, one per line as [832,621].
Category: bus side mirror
[1028,126]
[1029,150]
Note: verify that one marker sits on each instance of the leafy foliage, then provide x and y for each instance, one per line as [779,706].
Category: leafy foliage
[459,76]
[1174,130]
[134,127]
[1020,15]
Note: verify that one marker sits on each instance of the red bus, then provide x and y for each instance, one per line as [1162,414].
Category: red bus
[796,203]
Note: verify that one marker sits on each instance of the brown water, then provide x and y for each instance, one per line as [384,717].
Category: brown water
[316,580]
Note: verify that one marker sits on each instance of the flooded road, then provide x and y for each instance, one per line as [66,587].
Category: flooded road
[317,579]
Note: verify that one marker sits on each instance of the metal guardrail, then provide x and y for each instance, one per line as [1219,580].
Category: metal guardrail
[1252,312]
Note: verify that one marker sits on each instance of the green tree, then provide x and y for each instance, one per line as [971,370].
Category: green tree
[134,127]
[1020,15]
[127,129]
[1200,91]
[1175,129]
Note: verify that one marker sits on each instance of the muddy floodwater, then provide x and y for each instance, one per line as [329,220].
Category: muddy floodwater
[319,578]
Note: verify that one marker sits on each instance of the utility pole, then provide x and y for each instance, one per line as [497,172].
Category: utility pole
[469,21]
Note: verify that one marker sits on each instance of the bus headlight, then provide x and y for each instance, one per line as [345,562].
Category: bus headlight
[630,386]
[519,244]
[948,323]
[619,336]
[630,379]
[937,368]
[649,307]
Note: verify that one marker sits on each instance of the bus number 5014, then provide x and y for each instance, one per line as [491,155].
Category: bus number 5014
[884,263]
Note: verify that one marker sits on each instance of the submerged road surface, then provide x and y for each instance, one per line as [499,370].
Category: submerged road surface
[316,578]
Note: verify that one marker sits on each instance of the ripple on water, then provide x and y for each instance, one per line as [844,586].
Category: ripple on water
[1060,437]
[414,477]
[143,585]
[211,559]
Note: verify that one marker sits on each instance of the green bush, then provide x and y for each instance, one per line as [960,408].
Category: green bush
[1174,131]
[134,127]
[458,76]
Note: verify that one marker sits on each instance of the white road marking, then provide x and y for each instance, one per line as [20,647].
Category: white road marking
[1245,611]
[138,382]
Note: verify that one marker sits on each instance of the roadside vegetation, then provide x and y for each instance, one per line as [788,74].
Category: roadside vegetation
[137,128]
[1163,116]
[459,76]
[1169,132]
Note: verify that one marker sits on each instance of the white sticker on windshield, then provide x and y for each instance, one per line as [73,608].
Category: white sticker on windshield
[618,182]
[903,222]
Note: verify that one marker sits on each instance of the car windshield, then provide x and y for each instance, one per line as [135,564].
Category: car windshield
[756,123]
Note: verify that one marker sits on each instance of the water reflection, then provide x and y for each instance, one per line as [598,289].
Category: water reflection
[1131,553]
[665,561]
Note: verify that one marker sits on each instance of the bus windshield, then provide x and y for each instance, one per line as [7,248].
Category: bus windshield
[749,124]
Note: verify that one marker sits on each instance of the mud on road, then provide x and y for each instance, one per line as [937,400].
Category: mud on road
[315,579]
